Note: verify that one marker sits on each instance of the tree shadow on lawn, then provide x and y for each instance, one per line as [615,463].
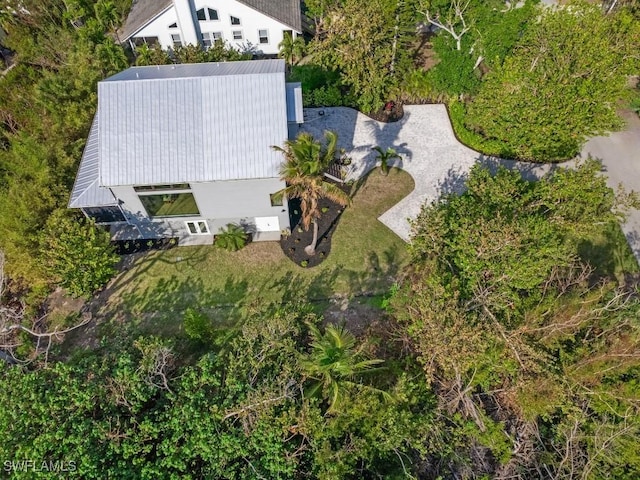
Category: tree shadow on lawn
[376,279]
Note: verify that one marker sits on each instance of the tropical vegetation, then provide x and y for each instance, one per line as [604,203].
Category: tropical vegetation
[305,162]
[502,343]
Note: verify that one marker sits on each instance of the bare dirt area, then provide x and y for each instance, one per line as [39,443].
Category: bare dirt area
[424,56]
[88,336]
[356,315]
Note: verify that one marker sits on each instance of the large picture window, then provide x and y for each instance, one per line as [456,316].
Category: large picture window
[170,205]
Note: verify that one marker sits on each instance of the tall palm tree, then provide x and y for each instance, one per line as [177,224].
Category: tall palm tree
[385,156]
[291,49]
[306,159]
[334,364]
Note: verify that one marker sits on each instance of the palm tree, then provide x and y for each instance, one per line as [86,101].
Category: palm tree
[385,156]
[306,159]
[111,56]
[334,364]
[107,14]
[291,49]
[231,238]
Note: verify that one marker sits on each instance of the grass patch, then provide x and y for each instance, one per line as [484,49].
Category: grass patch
[366,256]
[472,139]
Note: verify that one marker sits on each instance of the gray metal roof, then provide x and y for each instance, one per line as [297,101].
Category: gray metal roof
[170,126]
[285,11]
[142,12]
[87,191]
[196,70]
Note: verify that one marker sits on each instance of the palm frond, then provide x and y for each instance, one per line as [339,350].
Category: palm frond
[335,194]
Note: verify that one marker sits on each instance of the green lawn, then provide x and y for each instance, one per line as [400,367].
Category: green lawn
[365,258]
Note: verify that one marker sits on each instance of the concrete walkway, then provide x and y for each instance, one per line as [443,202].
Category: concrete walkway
[430,153]
[620,155]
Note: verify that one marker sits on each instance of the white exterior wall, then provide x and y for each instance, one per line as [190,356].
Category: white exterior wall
[186,21]
[160,28]
[219,203]
[250,22]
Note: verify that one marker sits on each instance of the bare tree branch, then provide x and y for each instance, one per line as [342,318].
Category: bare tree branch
[455,17]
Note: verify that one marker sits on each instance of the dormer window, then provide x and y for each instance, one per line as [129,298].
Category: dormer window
[235,20]
[206,14]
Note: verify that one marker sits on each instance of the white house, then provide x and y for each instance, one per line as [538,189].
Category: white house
[183,150]
[247,25]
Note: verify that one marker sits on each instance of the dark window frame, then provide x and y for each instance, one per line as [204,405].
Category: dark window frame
[276,203]
[167,186]
[207,14]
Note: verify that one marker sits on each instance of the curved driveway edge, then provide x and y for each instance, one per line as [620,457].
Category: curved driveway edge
[620,156]
[430,152]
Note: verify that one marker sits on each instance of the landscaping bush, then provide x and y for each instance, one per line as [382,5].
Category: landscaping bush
[454,74]
[231,238]
[320,87]
[313,77]
[417,87]
[472,139]
[329,96]
[197,326]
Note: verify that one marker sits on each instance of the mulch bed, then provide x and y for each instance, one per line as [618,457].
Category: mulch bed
[391,112]
[293,245]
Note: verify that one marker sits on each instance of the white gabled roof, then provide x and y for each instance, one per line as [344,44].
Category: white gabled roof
[192,123]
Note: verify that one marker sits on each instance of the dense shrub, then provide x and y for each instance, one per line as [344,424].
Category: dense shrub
[78,255]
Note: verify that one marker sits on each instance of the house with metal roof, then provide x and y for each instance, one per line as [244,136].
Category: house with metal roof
[183,150]
[257,26]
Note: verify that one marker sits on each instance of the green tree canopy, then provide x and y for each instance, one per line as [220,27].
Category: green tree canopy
[516,333]
[561,84]
[370,42]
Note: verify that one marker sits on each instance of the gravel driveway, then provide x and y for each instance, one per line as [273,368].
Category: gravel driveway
[424,138]
[620,155]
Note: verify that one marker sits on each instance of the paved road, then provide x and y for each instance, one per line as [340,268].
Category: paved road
[620,155]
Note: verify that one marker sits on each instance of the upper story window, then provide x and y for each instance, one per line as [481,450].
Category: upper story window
[235,20]
[168,200]
[237,34]
[170,205]
[205,14]
[263,36]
